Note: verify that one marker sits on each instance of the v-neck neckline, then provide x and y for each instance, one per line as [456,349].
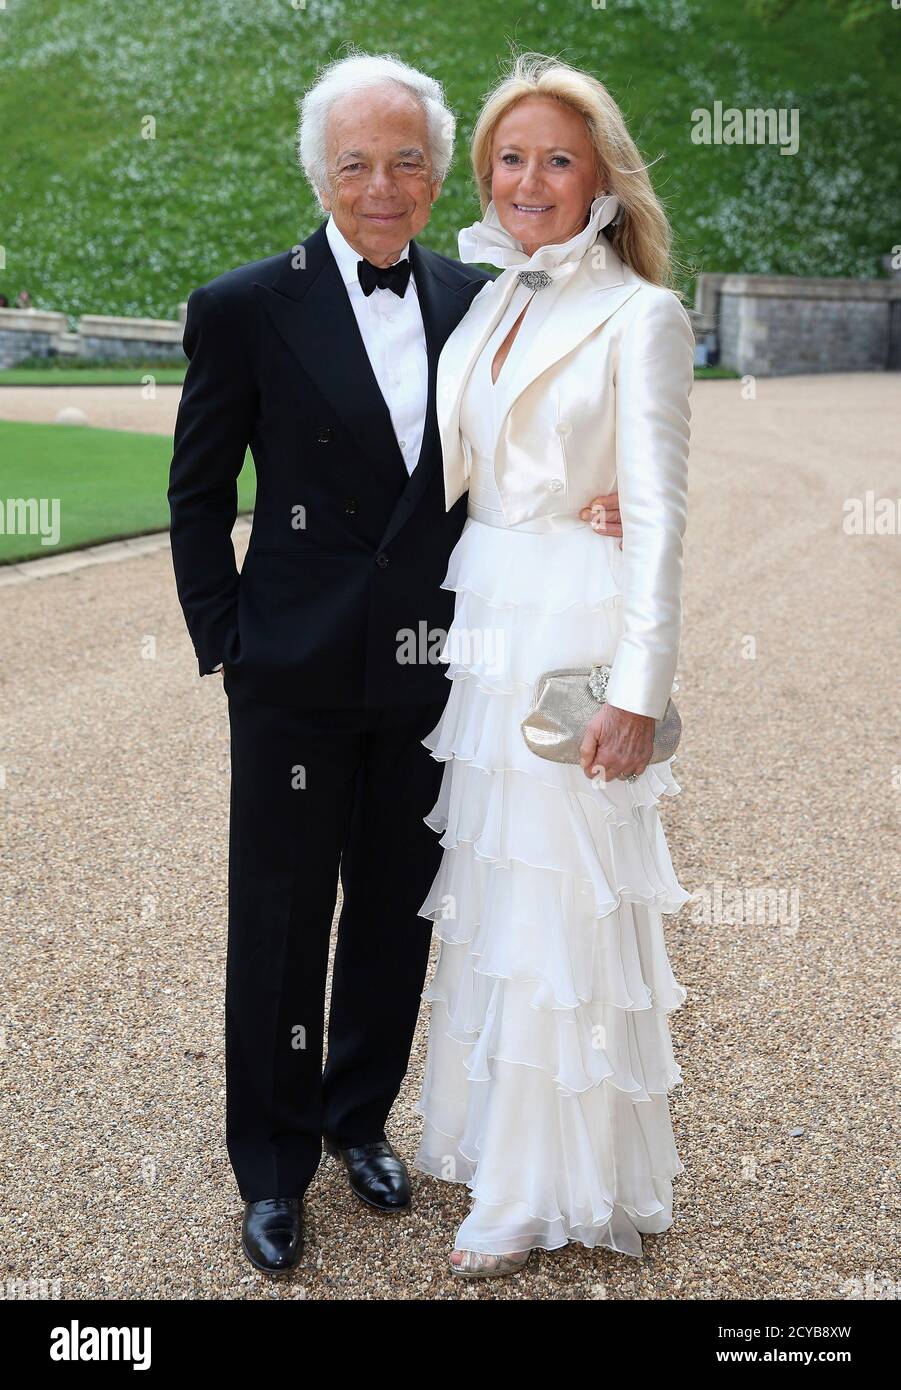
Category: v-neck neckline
[493,351]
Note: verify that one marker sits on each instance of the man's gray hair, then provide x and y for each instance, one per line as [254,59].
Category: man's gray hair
[351,76]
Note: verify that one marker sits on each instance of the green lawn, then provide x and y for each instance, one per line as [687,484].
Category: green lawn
[33,376]
[88,376]
[715,374]
[109,484]
[158,151]
[99,218]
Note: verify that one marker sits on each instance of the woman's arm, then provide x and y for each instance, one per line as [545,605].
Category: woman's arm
[653,380]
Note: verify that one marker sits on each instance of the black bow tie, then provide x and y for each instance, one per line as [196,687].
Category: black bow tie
[391,277]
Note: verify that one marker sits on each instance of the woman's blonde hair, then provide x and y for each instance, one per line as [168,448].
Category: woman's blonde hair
[642,236]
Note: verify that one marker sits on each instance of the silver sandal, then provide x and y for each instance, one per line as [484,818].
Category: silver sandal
[475,1265]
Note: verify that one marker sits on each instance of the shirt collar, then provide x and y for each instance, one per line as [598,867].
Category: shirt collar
[345,255]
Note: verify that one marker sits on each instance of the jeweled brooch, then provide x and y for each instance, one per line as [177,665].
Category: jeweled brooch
[535,279]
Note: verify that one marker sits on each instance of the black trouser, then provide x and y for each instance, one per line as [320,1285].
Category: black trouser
[310,792]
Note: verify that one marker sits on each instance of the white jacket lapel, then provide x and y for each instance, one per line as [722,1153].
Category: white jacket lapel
[458,357]
[585,301]
[600,285]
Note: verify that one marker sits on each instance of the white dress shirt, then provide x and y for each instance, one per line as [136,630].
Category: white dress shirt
[394,338]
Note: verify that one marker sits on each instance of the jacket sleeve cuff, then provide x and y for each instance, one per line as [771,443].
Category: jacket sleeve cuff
[635,686]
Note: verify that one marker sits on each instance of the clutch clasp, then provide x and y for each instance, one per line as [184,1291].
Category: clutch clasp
[598,677]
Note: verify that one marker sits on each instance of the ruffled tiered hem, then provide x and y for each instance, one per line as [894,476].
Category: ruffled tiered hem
[549,1058]
[544,1167]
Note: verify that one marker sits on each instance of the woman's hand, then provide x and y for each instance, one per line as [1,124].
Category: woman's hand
[602,513]
[617,743]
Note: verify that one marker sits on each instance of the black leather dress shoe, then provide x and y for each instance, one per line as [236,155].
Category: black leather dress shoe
[272,1233]
[377,1174]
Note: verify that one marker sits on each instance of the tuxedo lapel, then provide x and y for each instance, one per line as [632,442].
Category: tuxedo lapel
[310,308]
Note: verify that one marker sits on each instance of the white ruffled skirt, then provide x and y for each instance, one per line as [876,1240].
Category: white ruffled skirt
[549,1054]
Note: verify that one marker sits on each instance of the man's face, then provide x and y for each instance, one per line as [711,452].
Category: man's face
[380,184]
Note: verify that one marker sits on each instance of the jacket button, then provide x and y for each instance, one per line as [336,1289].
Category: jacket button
[323,434]
[350,505]
[563,428]
[555,485]
[382,561]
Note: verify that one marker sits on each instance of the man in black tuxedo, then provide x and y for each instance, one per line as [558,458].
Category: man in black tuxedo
[323,360]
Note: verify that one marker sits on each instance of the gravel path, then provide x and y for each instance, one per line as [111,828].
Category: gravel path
[106,407]
[114,811]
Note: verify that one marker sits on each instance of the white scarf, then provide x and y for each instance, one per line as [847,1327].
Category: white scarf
[488,243]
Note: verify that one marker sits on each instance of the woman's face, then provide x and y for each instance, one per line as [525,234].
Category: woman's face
[543,173]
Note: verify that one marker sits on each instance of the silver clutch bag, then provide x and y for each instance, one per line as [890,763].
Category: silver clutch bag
[564,703]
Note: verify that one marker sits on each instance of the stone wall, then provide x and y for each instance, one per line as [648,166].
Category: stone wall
[103,335]
[28,333]
[894,351]
[759,325]
[778,325]
[146,349]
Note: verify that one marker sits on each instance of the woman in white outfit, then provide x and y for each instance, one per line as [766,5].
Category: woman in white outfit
[549,1056]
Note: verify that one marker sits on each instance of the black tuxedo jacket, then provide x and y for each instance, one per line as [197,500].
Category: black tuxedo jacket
[347,551]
